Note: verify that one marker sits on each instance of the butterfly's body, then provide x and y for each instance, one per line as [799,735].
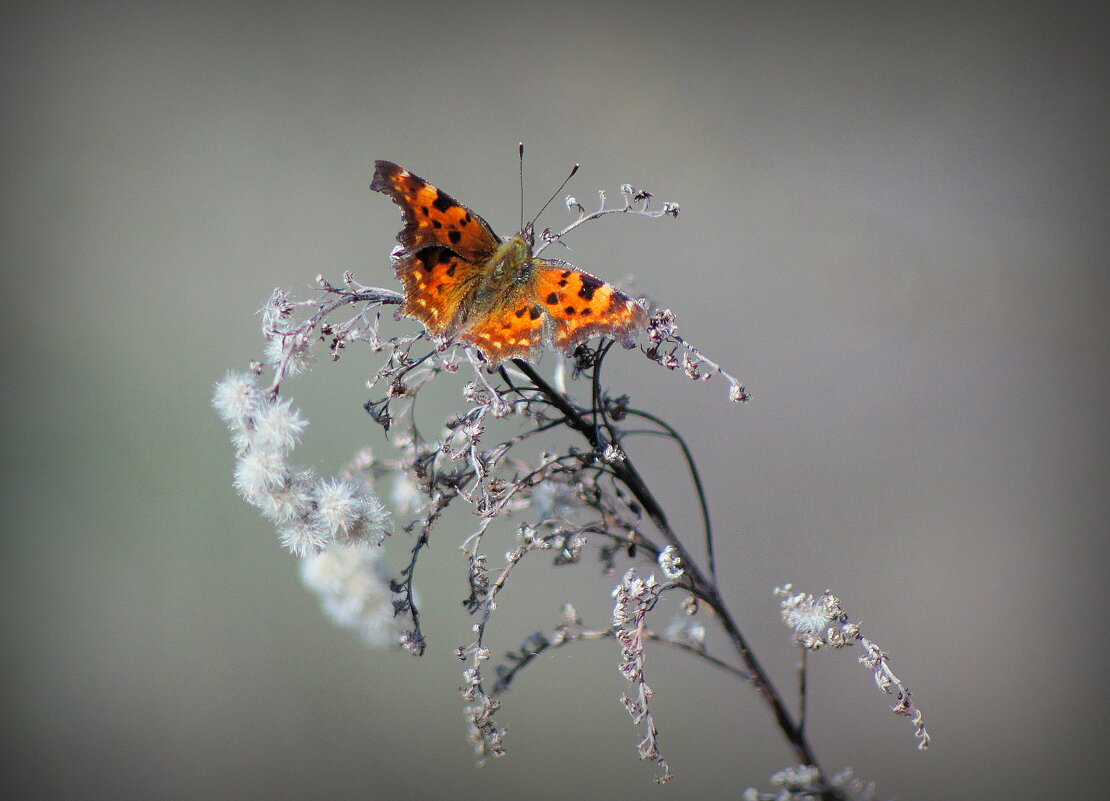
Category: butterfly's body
[510,266]
[496,289]
[463,282]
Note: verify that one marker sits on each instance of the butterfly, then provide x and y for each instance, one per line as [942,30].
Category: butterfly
[464,283]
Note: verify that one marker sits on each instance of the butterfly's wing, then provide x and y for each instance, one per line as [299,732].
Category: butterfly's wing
[580,306]
[517,328]
[439,287]
[432,217]
[443,253]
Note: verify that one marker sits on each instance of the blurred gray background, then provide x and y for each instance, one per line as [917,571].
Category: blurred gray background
[893,229]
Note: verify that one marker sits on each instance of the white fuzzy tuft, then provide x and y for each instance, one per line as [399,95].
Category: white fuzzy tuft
[236,398]
[259,473]
[278,427]
[303,539]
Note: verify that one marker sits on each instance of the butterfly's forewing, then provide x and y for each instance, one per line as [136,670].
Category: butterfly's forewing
[581,306]
[433,217]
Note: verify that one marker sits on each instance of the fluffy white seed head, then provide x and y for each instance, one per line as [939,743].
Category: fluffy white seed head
[687,630]
[276,313]
[348,510]
[290,501]
[809,619]
[277,427]
[352,581]
[302,538]
[236,398]
[259,473]
[405,496]
[338,506]
[293,350]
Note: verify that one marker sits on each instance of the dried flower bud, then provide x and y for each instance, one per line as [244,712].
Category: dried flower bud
[670,563]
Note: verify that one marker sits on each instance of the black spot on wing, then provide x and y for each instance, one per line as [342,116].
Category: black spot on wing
[552,299]
[589,286]
[429,258]
[442,201]
[535,312]
[454,236]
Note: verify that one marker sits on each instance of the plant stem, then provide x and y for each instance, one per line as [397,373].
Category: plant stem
[703,587]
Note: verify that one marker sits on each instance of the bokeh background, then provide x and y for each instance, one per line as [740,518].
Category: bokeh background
[894,230]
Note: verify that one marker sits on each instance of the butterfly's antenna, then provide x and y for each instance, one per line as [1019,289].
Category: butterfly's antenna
[521,186]
[573,170]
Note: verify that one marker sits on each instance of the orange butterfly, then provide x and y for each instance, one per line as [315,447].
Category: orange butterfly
[463,282]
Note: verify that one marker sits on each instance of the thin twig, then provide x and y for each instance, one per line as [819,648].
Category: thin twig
[525,656]
[802,689]
[695,477]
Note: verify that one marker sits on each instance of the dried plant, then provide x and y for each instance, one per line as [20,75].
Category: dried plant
[583,495]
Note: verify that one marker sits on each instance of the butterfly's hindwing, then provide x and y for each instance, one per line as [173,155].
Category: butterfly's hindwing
[439,288]
[519,330]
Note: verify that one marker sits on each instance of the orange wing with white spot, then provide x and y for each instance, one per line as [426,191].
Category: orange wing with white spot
[581,306]
[519,329]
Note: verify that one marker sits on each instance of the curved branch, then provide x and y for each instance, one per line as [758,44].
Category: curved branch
[535,646]
[695,476]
